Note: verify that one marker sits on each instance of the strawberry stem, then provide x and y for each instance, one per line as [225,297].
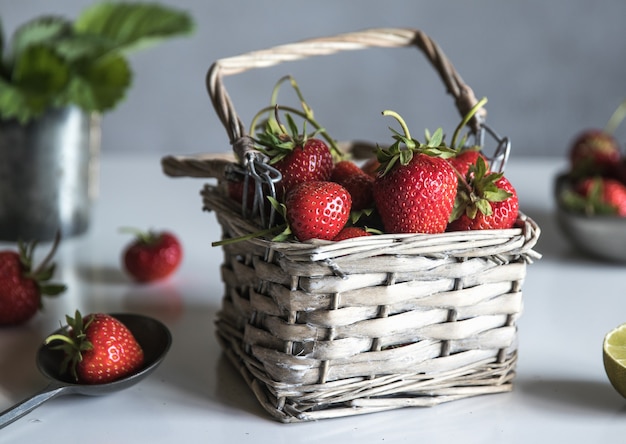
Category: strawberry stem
[274,101]
[233,240]
[306,114]
[616,118]
[401,121]
[466,119]
[49,256]
[318,128]
[145,237]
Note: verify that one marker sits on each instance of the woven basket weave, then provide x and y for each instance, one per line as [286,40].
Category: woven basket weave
[328,329]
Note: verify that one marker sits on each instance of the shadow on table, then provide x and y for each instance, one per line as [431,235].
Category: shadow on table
[573,394]
[103,275]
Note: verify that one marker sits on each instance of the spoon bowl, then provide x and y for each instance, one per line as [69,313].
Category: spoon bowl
[154,338]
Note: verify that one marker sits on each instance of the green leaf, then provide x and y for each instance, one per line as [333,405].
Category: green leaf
[484,207]
[40,69]
[131,25]
[41,31]
[101,85]
[39,76]
[52,289]
[13,103]
[83,46]
[497,195]
[436,138]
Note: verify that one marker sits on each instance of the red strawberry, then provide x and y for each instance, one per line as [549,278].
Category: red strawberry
[307,161]
[603,196]
[464,159]
[98,348]
[298,157]
[371,166]
[415,191]
[487,201]
[21,286]
[350,232]
[356,181]
[235,191]
[594,152]
[317,210]
[152,255]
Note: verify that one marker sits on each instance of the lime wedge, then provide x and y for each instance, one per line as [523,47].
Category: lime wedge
[614,356]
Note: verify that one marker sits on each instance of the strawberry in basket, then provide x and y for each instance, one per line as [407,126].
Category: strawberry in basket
[298,156]
[416,187]
[484,201]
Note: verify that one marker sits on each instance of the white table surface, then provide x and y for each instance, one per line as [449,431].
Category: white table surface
[561,392]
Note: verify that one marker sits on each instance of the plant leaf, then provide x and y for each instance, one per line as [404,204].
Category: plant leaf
[101,85]
[40,69]
[76,47]
[13,103]
[436,138]
[131,25]
[40,31]
[39,76]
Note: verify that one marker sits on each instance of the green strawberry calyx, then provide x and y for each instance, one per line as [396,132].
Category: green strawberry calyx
[275,140]
[73,342]
[592,204]
[405,147]
[477,194]
[149,237]
[42,273]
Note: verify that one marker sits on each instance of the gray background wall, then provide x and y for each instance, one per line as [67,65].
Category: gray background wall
[548,68]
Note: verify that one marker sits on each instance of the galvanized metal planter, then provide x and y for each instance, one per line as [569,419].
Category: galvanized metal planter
[48,174]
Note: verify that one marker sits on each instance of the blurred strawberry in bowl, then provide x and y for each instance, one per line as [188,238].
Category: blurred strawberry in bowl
[591,193]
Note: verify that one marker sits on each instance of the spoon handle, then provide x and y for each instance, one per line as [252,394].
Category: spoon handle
[29,404]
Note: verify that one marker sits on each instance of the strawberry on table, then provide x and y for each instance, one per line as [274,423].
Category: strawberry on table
[98,348]
[416,187]
[22,285]
[152,255]
[317,210]
[485,201]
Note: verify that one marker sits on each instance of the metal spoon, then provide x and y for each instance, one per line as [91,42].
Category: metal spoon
[152,335]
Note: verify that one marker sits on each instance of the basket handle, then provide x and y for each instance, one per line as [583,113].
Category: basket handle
[216,166]
[382,37]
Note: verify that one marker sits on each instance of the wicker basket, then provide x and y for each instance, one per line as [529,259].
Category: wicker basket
[329,329]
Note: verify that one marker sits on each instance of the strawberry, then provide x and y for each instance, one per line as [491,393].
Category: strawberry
[21,286]
[465,159]
[358,183]
[486,201]
[235,189]
[152,255]
[98,349]
[350,232]
[317,210]
[594,152]
[297,156]
[371,166]
[415,190]
[598,195]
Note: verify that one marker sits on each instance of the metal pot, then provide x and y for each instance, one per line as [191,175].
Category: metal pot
[48,174]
